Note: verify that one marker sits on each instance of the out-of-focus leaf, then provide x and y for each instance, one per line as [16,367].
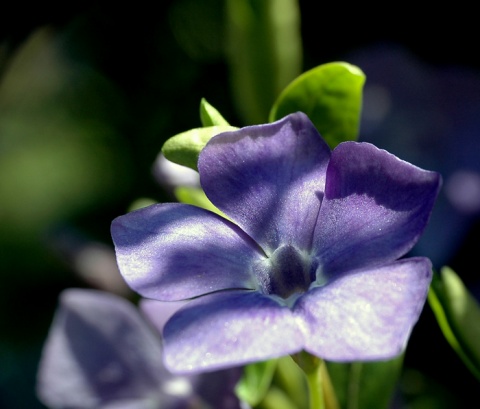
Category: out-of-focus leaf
[210,115]
[458,314]
[63,151]
[195,25]
[365,384]
[256,381]
[290,378]
[264,51]
[422,391]
[140,203]
[331,96]
[276,398]
[185,147]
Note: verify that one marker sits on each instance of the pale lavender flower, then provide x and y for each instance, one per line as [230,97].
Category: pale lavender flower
[309,257]
[102,354]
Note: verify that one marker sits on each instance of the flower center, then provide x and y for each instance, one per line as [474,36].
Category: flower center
[285,273]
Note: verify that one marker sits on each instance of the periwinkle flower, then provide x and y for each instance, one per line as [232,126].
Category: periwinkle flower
[308,257]
[101,353]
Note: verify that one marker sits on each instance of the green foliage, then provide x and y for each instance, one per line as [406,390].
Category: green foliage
[458,314]
[264,52]
[365,384]
[210,115]
[290,379]
[196,197]
[256,381]
[331,96]
[185,147]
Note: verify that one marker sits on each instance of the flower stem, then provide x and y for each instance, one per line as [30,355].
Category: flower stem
[322,394]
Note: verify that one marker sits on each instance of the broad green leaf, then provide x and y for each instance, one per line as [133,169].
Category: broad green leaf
[196,197]
[264,52]
[210,115]
[458,315]
[185,147]
[331,96]
[369,385]
[256,381]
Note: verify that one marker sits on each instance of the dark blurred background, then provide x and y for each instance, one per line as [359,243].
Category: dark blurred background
[89,92]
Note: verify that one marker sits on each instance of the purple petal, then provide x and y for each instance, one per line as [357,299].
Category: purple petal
[159,312]
[217,387]
[365,315]
[229,329]
[175,251]
[269,179]
[99,351]
[375,207]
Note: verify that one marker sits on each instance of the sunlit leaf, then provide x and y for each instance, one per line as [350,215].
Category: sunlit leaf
[331,96]
[185,147]
[196,197]
[210,115]
[458,314]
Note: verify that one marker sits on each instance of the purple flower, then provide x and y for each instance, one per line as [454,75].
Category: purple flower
[102,354]
[307,259]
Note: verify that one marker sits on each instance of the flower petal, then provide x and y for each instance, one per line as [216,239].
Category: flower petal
[217,387]
[159,312]
[375,208]
[365,315]
[175,251]
[98,351]
[269,179]
[229,329]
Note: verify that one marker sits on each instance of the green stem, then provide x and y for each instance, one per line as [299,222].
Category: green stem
[314,380]
[354,384]
[322,394]
[331,401]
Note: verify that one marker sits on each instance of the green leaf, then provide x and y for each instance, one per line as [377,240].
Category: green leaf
[264,52]
[458,315]
[331,96]
[196,197]
[210,115]
[291,379]
[276,398]
[140,203]
[255,381]
[185,147]
[365,384]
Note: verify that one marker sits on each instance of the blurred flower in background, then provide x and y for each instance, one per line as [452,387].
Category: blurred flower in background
[102,353]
